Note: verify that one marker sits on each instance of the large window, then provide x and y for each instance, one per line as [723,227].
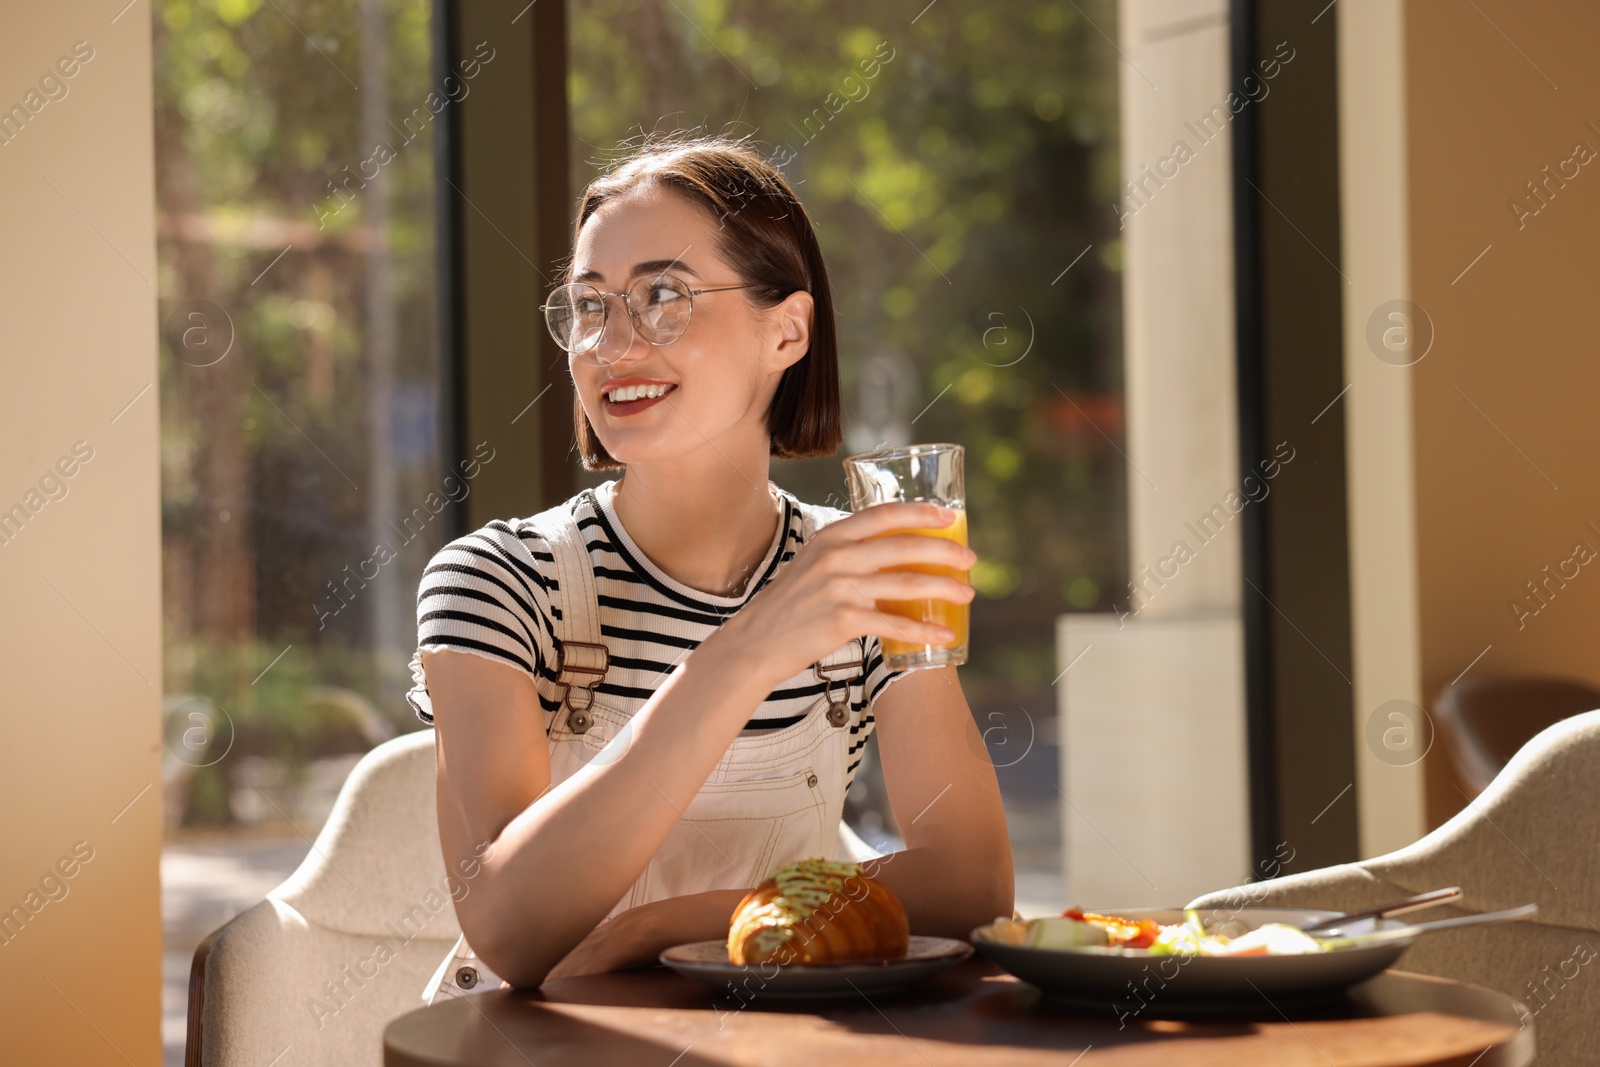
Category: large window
[302,487]
[961,167]
[301,478]
[960,163]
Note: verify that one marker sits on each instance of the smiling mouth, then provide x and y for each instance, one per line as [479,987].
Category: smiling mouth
[631,393]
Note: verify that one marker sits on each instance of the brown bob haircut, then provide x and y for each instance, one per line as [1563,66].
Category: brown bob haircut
[766,236]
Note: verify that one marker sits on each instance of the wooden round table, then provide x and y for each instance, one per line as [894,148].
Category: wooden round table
[972,1013]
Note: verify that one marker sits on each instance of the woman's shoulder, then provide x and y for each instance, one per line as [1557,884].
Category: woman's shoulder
[520,543]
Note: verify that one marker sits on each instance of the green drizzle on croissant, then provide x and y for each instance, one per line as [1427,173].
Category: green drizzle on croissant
[818,911]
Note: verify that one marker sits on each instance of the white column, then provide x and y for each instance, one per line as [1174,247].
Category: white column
[1155,805]
[1379,458]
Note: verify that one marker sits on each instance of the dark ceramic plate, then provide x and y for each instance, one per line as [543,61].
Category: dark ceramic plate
[708,961]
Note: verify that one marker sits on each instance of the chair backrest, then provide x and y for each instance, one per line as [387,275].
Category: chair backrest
[1533,835]
[377,864]
[347,942]
[1485,721]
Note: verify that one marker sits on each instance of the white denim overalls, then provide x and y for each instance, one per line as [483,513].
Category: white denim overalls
[775,796]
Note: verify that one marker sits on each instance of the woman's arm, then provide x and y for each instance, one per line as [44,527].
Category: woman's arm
[956,870]
[563,855]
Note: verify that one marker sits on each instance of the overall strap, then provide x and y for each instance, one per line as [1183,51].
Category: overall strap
[846,664]
[581,657]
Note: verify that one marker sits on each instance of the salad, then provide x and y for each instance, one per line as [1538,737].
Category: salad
[1075,928]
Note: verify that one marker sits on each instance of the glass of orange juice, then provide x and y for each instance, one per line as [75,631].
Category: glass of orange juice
[918,473]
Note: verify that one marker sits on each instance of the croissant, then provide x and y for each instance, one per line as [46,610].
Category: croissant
[818,911]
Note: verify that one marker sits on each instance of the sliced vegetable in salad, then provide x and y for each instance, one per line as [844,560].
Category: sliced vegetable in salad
[1075,928]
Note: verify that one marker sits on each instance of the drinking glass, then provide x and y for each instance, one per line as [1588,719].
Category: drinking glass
[931,472]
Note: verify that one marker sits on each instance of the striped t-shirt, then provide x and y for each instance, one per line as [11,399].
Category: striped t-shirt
[494,592]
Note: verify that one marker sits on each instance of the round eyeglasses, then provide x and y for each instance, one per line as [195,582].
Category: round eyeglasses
[659,305]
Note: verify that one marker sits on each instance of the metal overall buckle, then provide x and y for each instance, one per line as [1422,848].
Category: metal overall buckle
[839,710]
[578,718]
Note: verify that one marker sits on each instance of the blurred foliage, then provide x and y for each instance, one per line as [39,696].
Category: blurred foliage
[950,186]
[207,800]
[286,705]
[289,703]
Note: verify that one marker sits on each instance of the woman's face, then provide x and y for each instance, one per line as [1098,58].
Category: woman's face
[720,375]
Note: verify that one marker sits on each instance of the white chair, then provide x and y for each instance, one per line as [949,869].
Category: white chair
[315,971]
[1532,836]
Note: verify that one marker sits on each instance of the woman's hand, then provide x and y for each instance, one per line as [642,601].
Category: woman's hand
[827,594]
[637,937]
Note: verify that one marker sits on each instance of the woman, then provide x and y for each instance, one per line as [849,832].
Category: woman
[623,813]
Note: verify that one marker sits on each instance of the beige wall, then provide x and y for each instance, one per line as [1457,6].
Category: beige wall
[1507,440]
[80,603]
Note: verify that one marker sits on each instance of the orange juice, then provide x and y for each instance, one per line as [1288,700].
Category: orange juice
[940,612]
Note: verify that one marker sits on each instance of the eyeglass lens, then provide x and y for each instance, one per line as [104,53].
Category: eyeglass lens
[577,314]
